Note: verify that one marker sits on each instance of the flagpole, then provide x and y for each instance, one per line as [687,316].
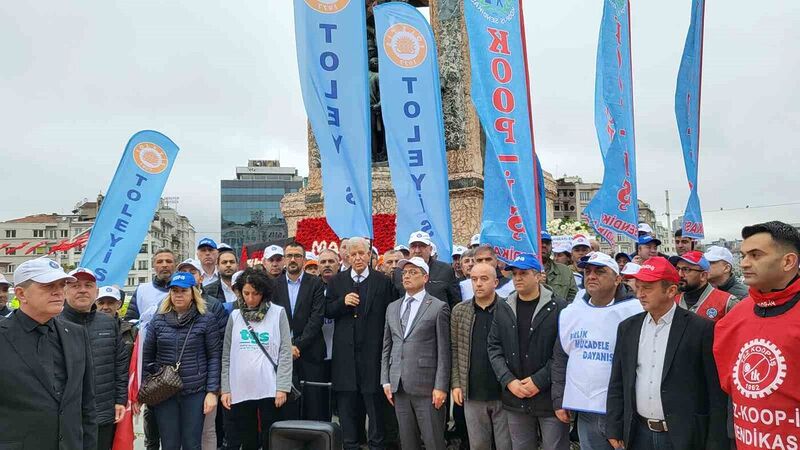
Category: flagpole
[537,198]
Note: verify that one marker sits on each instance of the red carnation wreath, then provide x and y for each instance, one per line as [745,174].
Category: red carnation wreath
[316,235]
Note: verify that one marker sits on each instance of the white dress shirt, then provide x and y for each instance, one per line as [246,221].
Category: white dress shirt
[230,296]
[355,275]
[418,297]
[650,364]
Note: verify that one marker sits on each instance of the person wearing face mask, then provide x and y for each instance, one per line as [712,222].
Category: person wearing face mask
[182,331]
[109,354]
[46,372]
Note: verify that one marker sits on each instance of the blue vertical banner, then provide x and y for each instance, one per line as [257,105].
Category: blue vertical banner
[542,195]
[614,209]
[687,113]
[411,105]
[500,95]
[331,38]
[128,207]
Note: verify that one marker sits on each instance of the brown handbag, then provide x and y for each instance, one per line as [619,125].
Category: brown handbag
[166,382]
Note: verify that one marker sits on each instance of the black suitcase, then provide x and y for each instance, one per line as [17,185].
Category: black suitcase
[306,434]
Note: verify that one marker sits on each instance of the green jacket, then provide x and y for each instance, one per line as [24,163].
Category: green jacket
[560,280]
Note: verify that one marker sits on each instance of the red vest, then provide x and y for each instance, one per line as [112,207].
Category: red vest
[712,305]
[758,359]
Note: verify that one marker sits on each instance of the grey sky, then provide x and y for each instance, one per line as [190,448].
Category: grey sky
[220,78]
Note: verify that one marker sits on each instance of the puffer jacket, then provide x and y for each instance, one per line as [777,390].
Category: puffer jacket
[200,364]
[110,357]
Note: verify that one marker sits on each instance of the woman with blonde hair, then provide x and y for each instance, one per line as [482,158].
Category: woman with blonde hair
[183,332]
[256,360]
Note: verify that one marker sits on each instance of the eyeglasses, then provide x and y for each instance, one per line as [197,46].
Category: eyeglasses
[411,273]
[294,256]
[688,269]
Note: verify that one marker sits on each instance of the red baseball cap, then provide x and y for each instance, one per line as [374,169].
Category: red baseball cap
[657,268]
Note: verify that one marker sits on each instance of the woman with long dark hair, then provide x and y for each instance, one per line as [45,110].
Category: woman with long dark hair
[256,340]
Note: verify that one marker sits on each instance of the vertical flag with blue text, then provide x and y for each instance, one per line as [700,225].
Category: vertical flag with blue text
[687,113]
[614,208]
[411,105]
[331,40]
[500,94]
[128,207]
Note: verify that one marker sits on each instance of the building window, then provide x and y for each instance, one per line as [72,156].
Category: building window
[143,249]
[64,233]
[11,268]
[11,233]
[143,265]
[142,280]
[51,234]
[585,196]
[38,233]
[131,281]
[557,207]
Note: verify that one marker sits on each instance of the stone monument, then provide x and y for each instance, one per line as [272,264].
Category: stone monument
[463,138]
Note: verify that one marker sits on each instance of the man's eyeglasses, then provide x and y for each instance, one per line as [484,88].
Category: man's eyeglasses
[294,256]
[688,269]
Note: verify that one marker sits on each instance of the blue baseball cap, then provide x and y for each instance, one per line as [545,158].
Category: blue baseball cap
[647,239]
[182,279]
[623,255]
[546,236]
[695,258]
[207,242]
[525,261]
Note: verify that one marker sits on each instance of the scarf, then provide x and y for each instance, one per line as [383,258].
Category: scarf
[256,314]
[776,297]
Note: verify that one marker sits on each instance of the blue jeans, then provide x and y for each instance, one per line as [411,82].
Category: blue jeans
[180,421]
[592,431]
[644,439]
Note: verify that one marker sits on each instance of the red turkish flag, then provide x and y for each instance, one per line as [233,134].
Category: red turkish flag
[123,436]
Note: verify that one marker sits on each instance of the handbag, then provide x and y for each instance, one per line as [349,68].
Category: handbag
[295,393]
[166,382]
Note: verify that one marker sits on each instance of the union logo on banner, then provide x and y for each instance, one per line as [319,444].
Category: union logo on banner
[760,369]
[405,45]
[150,157]
[327,6]
[496,11]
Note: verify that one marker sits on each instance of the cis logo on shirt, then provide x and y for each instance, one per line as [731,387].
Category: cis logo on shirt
[248,337]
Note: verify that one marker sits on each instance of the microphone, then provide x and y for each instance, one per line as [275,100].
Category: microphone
[356,284]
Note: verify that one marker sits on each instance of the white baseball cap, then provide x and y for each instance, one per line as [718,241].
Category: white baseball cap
[599,259]
[645,228]
[630,269]
[83,272]
[311,256]
[458,250]
[191,262]
[562,248]
[420,236]
[40,270]
[109,291]
[4,281]
[415,261]
[272,250]
[236,276]
[400,248]
[717,253]
[224,247]
[476,240]
[580,240]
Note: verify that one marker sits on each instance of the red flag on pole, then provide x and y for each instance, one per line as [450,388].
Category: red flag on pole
[123,436]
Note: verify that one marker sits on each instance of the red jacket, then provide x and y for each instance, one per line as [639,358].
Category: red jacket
[713,303]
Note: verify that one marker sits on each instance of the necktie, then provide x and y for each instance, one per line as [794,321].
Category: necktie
[406,314]
[43,350]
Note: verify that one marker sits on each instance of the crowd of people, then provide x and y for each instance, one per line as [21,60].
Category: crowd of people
[642,351]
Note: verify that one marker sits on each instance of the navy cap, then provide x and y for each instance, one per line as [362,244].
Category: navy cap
[207,242]
[182,279]
[546,236]
[525,261]
[647,239]
[624,255]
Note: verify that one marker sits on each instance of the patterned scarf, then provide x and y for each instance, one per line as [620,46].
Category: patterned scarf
[256,314]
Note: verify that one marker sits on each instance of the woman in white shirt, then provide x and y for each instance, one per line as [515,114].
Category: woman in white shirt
[252,388]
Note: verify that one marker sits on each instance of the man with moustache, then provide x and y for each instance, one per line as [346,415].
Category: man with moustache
[46,374]
[390,260]
[207,254]
[222,289]
[696,293]
[303,298]
[458,252]
[109,355]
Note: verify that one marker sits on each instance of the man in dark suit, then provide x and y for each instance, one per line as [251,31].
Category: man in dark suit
[46,375]
[356,300]
[664,391]
[442,282]
[303,297]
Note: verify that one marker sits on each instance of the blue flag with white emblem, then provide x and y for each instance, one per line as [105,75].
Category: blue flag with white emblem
[128,207]
[412,113]
[331,40]
[510,220]
[614,208]
[687,113]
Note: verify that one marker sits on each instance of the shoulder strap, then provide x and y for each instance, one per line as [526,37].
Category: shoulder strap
[178,363]
[255,338]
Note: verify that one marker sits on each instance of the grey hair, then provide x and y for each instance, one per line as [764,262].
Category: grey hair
[358,241]
[470,253]
[331,251]
[484,248]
